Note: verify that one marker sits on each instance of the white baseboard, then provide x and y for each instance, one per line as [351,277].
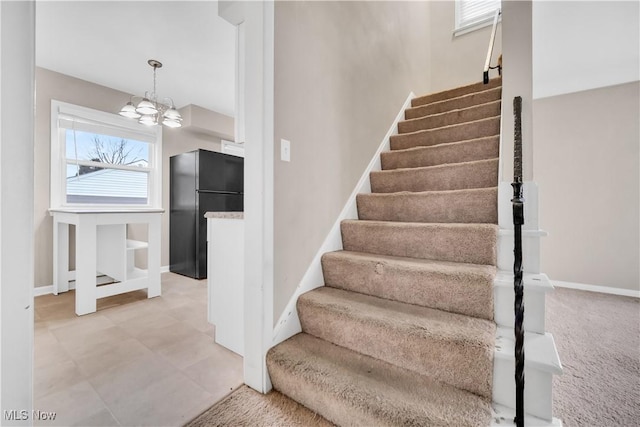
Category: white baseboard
[288,324]
[42,290]
[596,288]
[48,289]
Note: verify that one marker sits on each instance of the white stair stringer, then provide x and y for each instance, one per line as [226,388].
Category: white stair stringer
[541,357]
[530,249]
[501,416]
[536,287]
[541,364]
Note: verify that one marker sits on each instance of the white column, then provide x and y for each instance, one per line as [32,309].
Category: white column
[255,21]
[17,53]
[517,80]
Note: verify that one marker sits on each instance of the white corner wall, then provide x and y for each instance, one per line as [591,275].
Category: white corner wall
[17,52]
[581,45]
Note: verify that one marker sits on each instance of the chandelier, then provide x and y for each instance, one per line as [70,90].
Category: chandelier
[149,111]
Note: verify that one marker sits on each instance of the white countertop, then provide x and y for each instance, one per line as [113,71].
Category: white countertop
[224,215]
[94,210]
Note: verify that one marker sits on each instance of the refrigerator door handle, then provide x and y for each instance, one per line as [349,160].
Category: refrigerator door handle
[217,192]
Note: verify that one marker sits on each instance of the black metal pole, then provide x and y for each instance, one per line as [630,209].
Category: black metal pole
[518,221]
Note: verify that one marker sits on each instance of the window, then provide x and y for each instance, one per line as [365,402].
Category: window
[474,14]
[101,159]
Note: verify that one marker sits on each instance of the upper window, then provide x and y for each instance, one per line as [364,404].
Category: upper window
[102,160]
[474,14]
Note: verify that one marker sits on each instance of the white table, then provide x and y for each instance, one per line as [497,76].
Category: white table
[102,248]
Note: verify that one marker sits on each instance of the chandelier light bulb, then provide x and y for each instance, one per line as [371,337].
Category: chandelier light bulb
[172,117]
[146,107]
[129,110]
[173,114]
[172,123]
[148,119]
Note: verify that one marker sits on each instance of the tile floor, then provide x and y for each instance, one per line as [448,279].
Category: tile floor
[136,361]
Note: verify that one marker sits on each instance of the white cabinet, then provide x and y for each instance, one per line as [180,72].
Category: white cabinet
[225,278]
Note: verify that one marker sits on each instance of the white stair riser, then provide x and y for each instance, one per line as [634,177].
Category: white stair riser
[534,313]
[537,388]
[530,253]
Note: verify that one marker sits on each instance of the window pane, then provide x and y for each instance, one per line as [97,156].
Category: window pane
[106,149]
[106,186]
[475,11]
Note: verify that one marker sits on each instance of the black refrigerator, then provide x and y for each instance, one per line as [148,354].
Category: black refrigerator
[200,181]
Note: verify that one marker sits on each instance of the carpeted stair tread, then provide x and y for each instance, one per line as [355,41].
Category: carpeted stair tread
[454,93]
[456,176]
[452,152]
[449,347]
[477,112]
[453,133]
[349,388]
[453,206]
[467,243]
[462,101]
[454,287]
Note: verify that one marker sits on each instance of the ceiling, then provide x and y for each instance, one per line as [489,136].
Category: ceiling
[109,43]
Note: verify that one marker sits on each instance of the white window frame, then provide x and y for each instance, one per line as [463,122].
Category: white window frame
[123,126]
[464,25]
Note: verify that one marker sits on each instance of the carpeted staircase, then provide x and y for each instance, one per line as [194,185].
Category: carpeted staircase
[402,333]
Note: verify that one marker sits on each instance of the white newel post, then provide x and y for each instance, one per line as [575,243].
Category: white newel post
[541,358]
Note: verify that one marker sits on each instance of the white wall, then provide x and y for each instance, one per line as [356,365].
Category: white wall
[580,45]
[17,44]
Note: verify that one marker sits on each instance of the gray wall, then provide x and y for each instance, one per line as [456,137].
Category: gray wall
[342,73]
[51,85]
[586,163]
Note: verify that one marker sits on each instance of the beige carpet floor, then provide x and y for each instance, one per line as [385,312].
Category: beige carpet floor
[598,338]
[248,408]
